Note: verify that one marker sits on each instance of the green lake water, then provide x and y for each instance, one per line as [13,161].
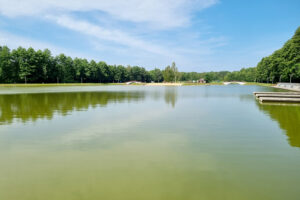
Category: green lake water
[147,143]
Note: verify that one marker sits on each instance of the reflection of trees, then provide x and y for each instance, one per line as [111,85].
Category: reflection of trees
[171,95]
[288,117]
[44,105]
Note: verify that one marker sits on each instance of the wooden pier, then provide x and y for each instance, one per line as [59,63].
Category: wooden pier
[284,97]
[276,93]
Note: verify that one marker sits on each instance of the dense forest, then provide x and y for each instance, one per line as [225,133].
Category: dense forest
[283,65]
[30,66]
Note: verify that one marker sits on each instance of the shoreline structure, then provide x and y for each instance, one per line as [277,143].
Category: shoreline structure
[289,86]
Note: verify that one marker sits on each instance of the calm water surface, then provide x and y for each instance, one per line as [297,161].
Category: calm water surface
[147,143]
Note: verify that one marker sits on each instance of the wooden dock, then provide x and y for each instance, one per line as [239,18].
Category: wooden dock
[279,95]
[276,93]
[284,97]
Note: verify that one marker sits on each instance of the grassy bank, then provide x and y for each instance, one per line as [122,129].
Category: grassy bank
[58,84]
[260,84]
[111,84]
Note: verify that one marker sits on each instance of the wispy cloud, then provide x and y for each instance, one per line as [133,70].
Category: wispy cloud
[98,32]
[15,41]
[157,36]
[159,13]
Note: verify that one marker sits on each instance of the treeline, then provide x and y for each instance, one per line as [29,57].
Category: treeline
[283,65]
[245,74]
[29,66]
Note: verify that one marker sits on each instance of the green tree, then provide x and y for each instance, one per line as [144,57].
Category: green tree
[168,74]
[6,73]
[93,71]
[282,63]
[103,72]
[121,74]
[208,77]
[27,63]
[175,71]
[156,75]
[65,69]
[82,69]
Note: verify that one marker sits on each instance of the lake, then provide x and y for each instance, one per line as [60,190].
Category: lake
[147,143]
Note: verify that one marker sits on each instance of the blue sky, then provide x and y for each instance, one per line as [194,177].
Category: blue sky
[199,35]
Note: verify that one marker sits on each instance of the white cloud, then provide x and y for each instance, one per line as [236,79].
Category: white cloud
[120,44]
[98,32]
[159,13]
[14,41]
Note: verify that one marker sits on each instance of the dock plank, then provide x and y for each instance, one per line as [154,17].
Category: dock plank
[276,93]
[279,95]
[275,99]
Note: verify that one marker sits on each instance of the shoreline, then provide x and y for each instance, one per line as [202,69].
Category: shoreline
[288,86]
[124,84]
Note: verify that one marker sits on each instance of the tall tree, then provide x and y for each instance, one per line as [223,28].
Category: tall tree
[175,70]
[156,75]
[168,74]
[27,64]
[6,71]
[283,63]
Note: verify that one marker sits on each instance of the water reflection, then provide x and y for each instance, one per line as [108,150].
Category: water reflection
[30,107]
[288,118]
[171,95]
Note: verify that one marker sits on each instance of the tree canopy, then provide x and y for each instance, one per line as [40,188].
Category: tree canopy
[30,66]
[283,64]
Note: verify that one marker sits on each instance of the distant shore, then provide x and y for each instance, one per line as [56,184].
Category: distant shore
[124,84]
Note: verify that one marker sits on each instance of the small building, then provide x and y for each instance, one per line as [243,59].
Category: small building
[201,81]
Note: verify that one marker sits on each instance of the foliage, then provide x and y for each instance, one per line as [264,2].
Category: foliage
[30,66]
[156,75]
[283,64]
[168,74]
[245,74]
